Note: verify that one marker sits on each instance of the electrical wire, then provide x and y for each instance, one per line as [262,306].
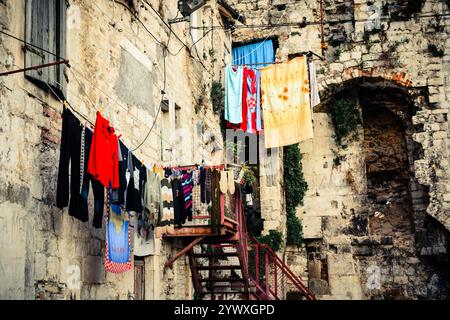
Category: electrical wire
[137,19]
[165,47]
[268,36]
[327,22]
[107,96]
[177,37]
[32,45]
[126,110]
[160,103]
[74,70]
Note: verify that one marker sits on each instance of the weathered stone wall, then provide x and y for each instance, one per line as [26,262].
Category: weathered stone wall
[397,64]
[118,68]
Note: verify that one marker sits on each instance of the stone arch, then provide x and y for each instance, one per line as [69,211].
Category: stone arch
[403,103]
[328,85]
[395,185]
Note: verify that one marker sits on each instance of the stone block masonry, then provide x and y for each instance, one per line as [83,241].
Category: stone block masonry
[116,67]
[394,232]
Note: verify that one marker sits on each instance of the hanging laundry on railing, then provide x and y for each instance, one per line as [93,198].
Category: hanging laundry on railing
[152,198]
[167,220]
[187,186]
[123,167]
[178,202]
[249,101]
[285,103]
[205,186]
[118,240]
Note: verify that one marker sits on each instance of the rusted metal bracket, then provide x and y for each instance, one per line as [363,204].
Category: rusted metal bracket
[186,249]
[323,45]
[45,65]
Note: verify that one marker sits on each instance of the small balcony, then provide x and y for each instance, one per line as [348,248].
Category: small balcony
[220,221]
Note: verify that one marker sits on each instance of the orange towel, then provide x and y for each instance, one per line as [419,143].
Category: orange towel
[285,103]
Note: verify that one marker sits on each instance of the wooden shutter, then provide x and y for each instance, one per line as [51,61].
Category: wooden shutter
[61,45]
[36,33]
[45,27]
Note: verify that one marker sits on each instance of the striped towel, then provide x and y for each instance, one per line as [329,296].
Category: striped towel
[187,184]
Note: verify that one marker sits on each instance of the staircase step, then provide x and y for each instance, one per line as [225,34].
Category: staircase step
[222,280]
[212,254]
[237,286]
[224,291]
[219,267]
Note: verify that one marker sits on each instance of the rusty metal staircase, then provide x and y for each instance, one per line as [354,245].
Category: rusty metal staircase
[226,265]
[238,268]
[217,271]
[220,272]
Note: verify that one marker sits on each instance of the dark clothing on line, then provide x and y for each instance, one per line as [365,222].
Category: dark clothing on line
[178,202]
[70,153]
[135,192]
[97,187]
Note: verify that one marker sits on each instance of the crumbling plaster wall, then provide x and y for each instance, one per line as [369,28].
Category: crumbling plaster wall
[46,254]
[400,53]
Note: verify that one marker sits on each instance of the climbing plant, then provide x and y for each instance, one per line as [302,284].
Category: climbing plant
[295,188]
[217,97]
[200,100]
[273,239]
[249,175]
[435,51]
[406,11]
[346,118]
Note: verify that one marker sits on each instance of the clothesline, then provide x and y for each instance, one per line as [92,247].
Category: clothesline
[187,167]
[308,54]
[253,100]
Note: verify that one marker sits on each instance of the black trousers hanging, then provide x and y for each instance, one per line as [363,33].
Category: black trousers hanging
[97,187]
[70,153]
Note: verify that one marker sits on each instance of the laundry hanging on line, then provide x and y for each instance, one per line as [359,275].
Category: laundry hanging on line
[264,96]
[285,101]
[241,110]
[142,201]
[74,151]
[118,239]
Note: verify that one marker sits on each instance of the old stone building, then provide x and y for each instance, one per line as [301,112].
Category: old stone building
[122,55]
[376,215]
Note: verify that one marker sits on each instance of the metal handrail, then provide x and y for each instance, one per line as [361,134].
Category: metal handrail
[284,269]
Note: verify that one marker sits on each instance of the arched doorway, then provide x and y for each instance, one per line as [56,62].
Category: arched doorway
[371,205]
[387,159]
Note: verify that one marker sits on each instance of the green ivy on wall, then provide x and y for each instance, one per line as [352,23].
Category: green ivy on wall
[346,118]
[217,97]
[273,239]
[295,188]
